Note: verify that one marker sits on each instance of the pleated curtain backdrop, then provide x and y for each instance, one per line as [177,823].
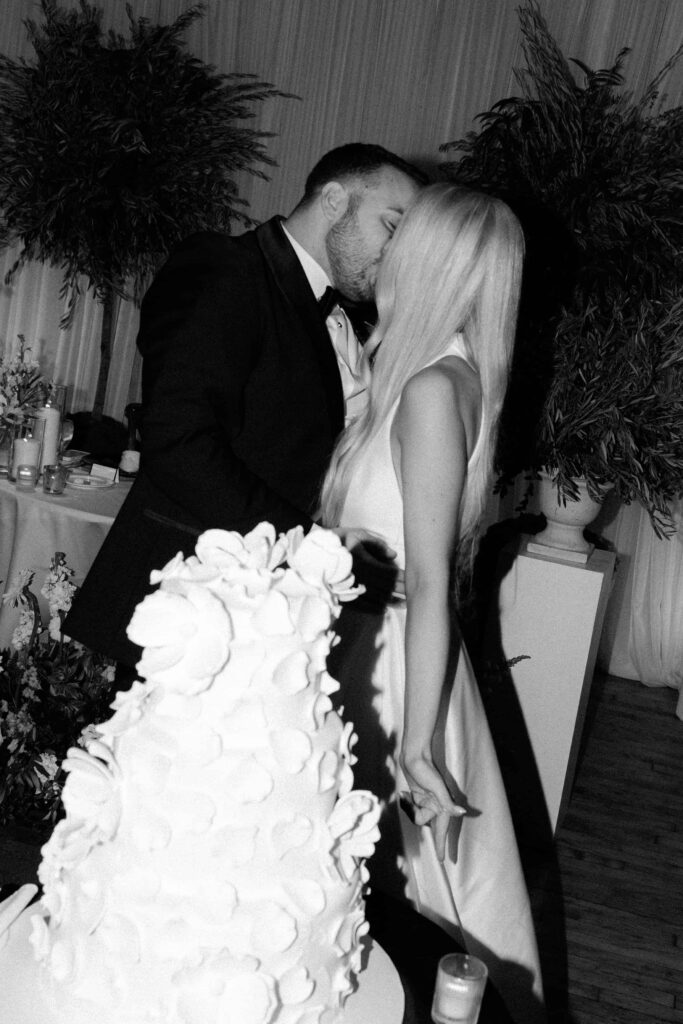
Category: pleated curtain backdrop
[408,74]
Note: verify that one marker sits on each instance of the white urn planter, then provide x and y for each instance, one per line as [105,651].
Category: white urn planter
[566,521]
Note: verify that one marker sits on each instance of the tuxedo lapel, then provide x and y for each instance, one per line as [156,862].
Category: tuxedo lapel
[296,293]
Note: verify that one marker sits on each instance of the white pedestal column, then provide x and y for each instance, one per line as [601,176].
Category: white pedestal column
[551,614]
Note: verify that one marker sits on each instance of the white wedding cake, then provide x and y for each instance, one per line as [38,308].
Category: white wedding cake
[209,869]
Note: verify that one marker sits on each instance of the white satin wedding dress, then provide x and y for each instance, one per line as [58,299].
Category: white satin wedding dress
[478,894]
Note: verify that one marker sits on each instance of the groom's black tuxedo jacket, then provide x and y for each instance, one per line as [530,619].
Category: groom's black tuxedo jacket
[242,402]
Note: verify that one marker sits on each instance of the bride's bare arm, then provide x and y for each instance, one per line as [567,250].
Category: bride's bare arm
[432,441]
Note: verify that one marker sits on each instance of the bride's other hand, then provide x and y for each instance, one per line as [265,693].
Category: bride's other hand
[374,566]
[429,797]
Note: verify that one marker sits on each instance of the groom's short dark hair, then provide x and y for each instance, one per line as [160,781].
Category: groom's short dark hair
[357,160]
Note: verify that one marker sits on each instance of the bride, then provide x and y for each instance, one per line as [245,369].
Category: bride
[415,469]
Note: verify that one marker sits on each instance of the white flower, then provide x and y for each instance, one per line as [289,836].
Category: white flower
[54,627]
[109,673]
[322,560]
[88,734]
[14,594]
[47,767]
[185,632]
[22,634]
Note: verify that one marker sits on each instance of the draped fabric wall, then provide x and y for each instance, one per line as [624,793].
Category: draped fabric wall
[408,74]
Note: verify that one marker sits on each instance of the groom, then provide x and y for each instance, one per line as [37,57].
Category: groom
[245,380]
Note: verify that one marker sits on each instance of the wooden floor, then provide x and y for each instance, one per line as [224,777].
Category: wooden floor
[617,893]
[611,893]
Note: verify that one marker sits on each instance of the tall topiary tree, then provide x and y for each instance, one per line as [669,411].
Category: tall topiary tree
[596,176]
[113,148]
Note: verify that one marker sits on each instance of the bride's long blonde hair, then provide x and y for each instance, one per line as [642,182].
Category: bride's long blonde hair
[453,267]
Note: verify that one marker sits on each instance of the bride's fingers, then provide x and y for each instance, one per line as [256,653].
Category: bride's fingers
[440,827]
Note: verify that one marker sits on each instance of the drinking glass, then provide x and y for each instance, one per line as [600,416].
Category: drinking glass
[54,479]
[460,984]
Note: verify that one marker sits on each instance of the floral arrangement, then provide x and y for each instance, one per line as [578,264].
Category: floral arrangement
[51,690]
[21,383]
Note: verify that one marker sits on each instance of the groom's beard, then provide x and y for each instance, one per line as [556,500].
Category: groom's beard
[353,270]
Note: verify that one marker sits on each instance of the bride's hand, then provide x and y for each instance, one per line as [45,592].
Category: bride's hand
[429,798]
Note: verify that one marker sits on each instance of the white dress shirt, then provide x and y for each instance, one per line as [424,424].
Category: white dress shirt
[346,346]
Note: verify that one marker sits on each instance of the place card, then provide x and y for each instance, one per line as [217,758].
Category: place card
[110,473]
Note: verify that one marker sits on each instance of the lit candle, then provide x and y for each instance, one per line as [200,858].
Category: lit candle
[26,453]
[51,418]
[26,478]
[460,984]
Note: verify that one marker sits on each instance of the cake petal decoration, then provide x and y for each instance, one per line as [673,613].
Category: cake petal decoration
[292,749]
[229,550]
[151,770]
[120,936]
[290,676]
[348,742]
[321,709]
[179,705]
[191,811]
[272,618]
[182,569]
[327,771]
[91,792]
[250,782]
[291,834]
[149,831]
[312,617]
[248,999]
[128,706]
[185,633]
[62,960]
[274,930]
[39,937]
[328,684]
[353,823]
[236,845]
[295,986]
[139,884]
[307,894]
[245,728]
[322,559]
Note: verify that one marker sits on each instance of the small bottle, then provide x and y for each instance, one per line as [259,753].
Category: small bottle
[130,456]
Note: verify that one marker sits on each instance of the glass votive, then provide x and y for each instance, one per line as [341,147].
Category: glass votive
[26,478]
[460,984]
[54,479]
[27,442]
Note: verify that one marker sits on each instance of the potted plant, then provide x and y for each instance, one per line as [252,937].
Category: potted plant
[597,180]
[114,148]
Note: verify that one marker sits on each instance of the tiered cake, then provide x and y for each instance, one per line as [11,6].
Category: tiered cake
[210,866]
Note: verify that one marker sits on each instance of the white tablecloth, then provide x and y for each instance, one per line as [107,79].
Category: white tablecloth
[34,525]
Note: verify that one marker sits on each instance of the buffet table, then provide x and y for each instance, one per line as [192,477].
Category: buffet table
[34,525]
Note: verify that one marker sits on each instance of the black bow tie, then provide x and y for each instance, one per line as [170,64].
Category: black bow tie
[328,300]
